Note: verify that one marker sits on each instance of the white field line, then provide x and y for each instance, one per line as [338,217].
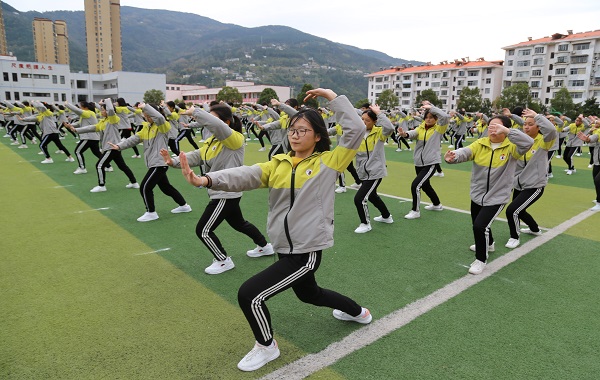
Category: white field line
[369,334]
[96,209]
[151,252]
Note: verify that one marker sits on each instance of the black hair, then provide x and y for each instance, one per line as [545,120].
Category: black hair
[372,114]
[518,110]
[181,105]
[121,102]
[224,113]
[315,119]
[365,105]
[89,105]
[506,121]
[26,103]
[213,103]
[136,104]
[428,112]
[292,102]
[156,107]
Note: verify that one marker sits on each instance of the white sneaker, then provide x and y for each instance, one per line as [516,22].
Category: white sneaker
[365,316]
[173,155]
[450,146]
[259,251]
[110,169]
[434,207]
[530,232]
[70,159]
[491,247]
[23,146]
[59,152]
[550,175]
[48,161]
[355,186]
[15,143]
[40,153]
[558,156]
[596,207]
[98,189]
[512,243]
[259,356]
[136,156]
[399,150]
[578,154]
[388,220]
[569,172]
[436,174]
[80,171]
[340,189]
[412,215]
[34,141]
[589,166]
[477,267]
[262,149]
[220,266]
[180,209]
[362,228]
[132,186]
[148,216]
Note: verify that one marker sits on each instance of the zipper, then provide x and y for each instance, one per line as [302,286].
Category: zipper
[292,199]
[487,189]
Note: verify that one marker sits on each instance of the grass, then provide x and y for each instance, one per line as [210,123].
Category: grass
[85,295]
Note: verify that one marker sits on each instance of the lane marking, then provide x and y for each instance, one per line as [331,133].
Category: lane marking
[369,334]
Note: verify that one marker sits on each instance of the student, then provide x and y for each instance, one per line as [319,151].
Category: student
[494,163]
[154,136]
[371,168]
[573,143]
[530,175]
[172,115]
[125,115]
[184,123]
[109,126]
[426,156]
[224,149]
[87,116]
[300,221]
[594,137]
[45,118]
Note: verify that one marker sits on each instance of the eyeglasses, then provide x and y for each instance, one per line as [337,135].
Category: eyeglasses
[299,132]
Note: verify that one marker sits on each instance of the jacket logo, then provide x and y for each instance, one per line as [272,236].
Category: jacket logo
[214,148]
[309,172]
[533,151]
[502,157]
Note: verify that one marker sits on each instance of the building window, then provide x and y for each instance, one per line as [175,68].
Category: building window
[509,74]
[511,52]
[6,77]
[579,59]
[509,62]
[577,71]
[472,83]
[486,91]
[461,73]
[488,81]
[54,80]
[445,83]
[524,52]
[62,79]
[562,59]
[473,73]
[536,73]
[535,84]
[460,82]
[559,83]
[560,71]
[576,95]
[576,83]
[7,95]
[81,84]
[522,74]
[538,61]
[523,63]
[444,92]
[535,95]
[17,96]
[584,46]
[15,79]
[55,97]
[564,47]
[406,85]
[488,71]
[64,97]
[539,50]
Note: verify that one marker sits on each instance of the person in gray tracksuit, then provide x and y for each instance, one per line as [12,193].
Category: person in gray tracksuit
[277,128]
[224,149]
[426,156]
[300,219]
[154,137]
[109,129]
[530,174]
[573,143]
[91,140]
[593,136]
[494,163]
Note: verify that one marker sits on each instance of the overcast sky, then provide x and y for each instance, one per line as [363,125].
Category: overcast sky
[428,31]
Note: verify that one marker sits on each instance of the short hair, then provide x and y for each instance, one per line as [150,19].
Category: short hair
[292,102]
[224,113]
[171,104]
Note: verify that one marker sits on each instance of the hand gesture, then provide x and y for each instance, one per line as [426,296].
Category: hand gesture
[141,105]
[401,132]
[450,156]
[275,102]
[113,146]
[188,173]
[323,92]
[497,128]
[166,157]
[375,108]
[529,113]
[506,112]
[582,136]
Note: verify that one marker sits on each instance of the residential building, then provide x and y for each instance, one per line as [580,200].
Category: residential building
[50,41]
[103,36]
[548,64]
[446,79]
[3,45]
[201,94]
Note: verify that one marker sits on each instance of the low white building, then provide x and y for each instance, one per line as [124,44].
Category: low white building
[201,94]
[54,83]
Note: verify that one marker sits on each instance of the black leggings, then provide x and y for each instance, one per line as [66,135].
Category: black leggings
[368,192]
[158,176]
[482,217]
[424,173]
[82,146]
[354,174]
[517,209]
[296,271]
[52,137]
[186,133]
[568,156]
[126,133]
[229,210]
[596,176]
[105,160]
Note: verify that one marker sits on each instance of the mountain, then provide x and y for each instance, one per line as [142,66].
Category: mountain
[193,49]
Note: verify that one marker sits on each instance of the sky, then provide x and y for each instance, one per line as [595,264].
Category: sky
[431,31]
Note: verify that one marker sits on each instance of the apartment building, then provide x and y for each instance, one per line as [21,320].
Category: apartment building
[200,94]
[50,41]
[446,79]
[3,45]
[103,36]
[550,63]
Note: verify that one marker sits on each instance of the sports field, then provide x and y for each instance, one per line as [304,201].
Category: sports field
[90,293]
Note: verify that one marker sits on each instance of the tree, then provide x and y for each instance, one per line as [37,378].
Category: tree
[486,107]
[230,95]
[428,95]
[590,107]
[387,100]
[153,96]
[516,95]
[266,95]
[362,102]
[563,103]
[313,103]
[470,99]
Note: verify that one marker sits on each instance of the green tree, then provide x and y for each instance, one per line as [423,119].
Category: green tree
[362,102]
[516,95]
[563,103]
[313,103]
[266,95]
[590,107]
[428,95]
[153,96]
[387,100]
[487,107]
[470,99]
[230,95]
